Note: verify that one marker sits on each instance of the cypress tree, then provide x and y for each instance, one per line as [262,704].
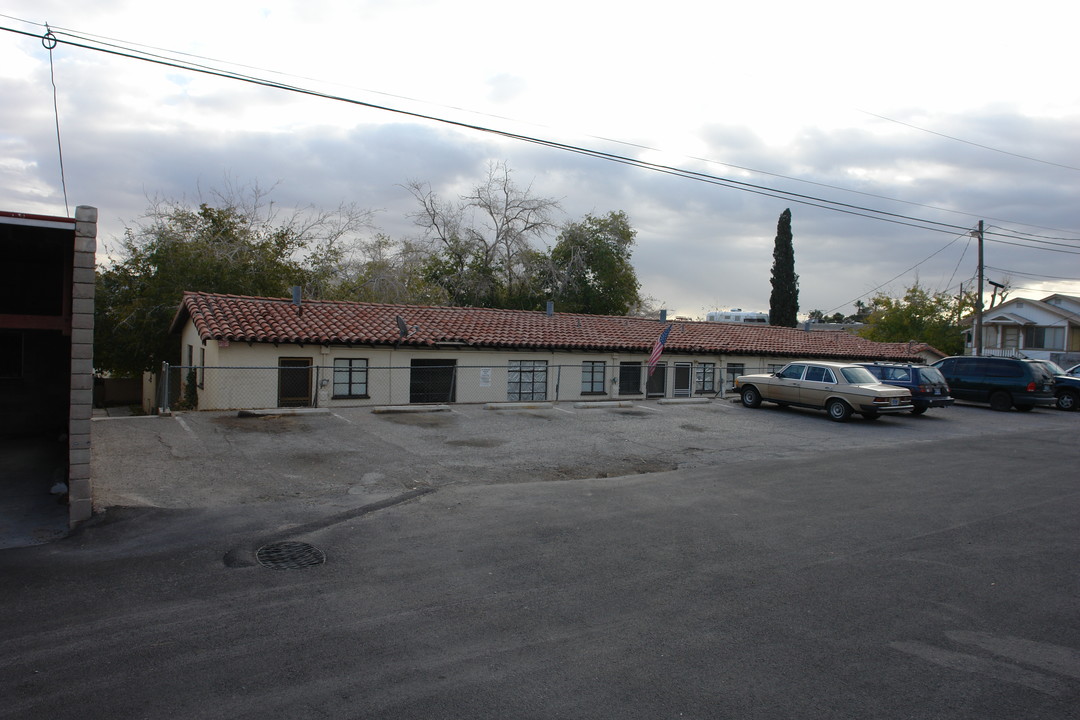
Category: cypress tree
[784,300]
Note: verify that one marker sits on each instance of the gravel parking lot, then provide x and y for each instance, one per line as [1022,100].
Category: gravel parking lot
[353,456]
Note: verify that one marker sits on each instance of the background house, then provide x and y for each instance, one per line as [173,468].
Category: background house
[249,352]
[1047,329]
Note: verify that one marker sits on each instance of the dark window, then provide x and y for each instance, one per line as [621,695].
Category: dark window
[656,384]
[294,382]
[969,368]
[791,372]
[432,381]
[350,377]
[630,378]
[815,374]
[592,377]
[1004,369]
[1052,338]
[931,375]
[11,355]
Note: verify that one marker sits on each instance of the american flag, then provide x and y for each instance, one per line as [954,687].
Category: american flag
[657,349]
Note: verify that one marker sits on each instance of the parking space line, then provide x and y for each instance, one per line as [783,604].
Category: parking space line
[646,407]
[340,417]
[184,425]
[568,412]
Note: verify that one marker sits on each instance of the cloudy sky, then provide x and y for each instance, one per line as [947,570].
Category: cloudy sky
[937,113]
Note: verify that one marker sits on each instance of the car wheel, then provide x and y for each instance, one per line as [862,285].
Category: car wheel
[918,410]
[751,398]
[1000,401]
[871,415]
[838,410]
[1066,399]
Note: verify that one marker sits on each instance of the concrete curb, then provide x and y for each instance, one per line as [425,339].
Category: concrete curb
[409,409]
[683,401]
[282,411]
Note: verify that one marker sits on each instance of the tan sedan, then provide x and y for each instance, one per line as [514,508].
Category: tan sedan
[838,388]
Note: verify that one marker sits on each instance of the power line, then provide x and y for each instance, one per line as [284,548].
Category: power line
[822,203]
[928,257]
[1031,241]
[800,198]
[114,42]
[968,142]
[48,41]
[1033,275]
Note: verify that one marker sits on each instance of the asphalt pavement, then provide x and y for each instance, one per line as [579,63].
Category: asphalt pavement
[780,566]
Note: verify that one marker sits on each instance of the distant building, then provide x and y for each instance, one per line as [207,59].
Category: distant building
[737,315]
[1047,329]
[251,352]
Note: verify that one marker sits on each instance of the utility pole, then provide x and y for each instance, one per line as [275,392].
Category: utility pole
[978,349]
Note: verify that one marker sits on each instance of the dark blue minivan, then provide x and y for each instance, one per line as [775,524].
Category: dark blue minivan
[999,381]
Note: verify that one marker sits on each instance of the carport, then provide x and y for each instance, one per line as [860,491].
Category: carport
[46,374]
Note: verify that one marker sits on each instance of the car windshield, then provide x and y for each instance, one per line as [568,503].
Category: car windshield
[858,375]
[931,375]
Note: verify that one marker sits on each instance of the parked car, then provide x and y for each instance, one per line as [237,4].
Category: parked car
[926,384]
[1074,370]
[1001,382]
[1066,386]
[838,388]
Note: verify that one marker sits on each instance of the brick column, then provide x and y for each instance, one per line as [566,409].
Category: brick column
[80,496]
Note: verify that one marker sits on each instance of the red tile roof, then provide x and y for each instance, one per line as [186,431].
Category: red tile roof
[272,320]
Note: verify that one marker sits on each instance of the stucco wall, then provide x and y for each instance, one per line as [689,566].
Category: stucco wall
[238,375]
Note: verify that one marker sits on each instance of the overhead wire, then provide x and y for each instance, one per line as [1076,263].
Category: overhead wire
[1033,275]
[969,142]
[897,277]
[116,43]
[1027,240]
[731,183]
[48,41]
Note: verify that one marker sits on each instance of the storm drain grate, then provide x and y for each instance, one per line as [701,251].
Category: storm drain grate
[289,555]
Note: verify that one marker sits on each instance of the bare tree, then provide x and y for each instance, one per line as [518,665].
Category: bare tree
[485,238]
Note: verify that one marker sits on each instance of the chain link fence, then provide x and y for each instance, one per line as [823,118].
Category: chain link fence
[352,383]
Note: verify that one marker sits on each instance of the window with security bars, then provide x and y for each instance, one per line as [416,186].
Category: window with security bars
[630,378]
[350,378]
[734,370]
[593,377]
[527,380]
[705,378]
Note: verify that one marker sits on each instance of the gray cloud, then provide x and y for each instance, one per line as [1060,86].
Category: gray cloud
[130,133]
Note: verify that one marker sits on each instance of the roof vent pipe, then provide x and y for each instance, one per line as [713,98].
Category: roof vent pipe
[550,308]
[296,294]
[663,316]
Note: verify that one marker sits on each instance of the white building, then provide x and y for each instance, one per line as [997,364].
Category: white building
[1047,329]
[737,315]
